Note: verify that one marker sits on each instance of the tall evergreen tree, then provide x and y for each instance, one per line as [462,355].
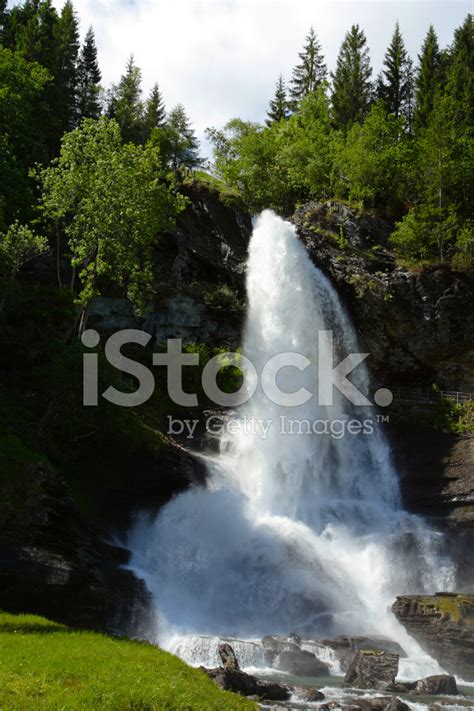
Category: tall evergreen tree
[88,80]
[427,77]
[181,144]
[460,72]
[3,18]
[394,84]
[155,111]
[310,73]
[66,72]
[126,105]
[278,109]
[352,87]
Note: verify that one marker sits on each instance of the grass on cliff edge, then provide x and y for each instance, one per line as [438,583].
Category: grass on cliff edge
[44,665]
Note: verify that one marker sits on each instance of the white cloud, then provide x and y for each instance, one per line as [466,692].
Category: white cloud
[221,58]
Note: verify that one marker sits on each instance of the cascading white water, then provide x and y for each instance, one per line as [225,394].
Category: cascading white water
[294,532]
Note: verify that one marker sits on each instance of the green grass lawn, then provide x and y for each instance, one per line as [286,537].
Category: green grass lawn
[44,665]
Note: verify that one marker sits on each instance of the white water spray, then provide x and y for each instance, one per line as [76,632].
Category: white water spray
[294,532]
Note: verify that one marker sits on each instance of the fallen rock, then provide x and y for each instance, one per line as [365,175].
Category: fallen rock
[443,624]
[247,685]
[437,685]
[383,703]
[300,663]
[228,658]
[310,695]
[372,669]
[273,645]
[344,647]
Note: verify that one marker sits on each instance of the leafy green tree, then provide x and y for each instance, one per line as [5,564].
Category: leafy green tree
[395,85]
[180,146]
[372,163]
[278,109]
[310,73]
[126,105]
[113,203]
[155,111]
[426,233]
[427,77]
[66,70]
[18,245]
[88,80]
[22,142]
[281,164]
[352,87]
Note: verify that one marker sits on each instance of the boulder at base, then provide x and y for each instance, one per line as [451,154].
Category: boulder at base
[439,684]
[384,703]
[247,685]
[443,624]
[372,669]
[300,663]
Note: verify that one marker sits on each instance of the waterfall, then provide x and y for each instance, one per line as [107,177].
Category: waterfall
[297,531]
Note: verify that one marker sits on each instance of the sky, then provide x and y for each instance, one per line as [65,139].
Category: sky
[221,58]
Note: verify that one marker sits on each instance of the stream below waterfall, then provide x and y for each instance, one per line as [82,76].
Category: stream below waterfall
[300,529]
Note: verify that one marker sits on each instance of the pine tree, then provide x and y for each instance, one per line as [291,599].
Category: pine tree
[409,80]
[3,18]
[278,109]
[155,111]
[126,105]
[460,73]
[88,80]
[352,88]
[427,77]
[393,87]
[66,73]
[181,144]
[310,73]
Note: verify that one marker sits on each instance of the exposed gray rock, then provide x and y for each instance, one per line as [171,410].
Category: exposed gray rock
[228,658]
[383,703]
[344,647]
[309,695]
[443,625]
[300,663]
[372,669]
[273,645]
[247,685]
[441,684]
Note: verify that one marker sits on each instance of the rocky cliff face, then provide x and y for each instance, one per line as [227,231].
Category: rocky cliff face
[444,626]
[418,326]
[200,289]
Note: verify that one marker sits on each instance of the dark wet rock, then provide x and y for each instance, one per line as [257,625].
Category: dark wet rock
[383,703]
[372,669]
[228,658]
[300,663]
[274,645]
[247,685]
[441,684]
[309,695]
[417,326]
[206,251]
[344,647]
[443,625]
[54,564]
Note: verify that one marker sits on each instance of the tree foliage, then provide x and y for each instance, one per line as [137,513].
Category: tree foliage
[311,71]
[279,108]
[352,88]
[113,204]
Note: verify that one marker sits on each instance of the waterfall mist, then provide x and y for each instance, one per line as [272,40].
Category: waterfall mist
[294,532]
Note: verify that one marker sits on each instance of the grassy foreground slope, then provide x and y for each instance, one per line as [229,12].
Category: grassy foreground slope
[44,665]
